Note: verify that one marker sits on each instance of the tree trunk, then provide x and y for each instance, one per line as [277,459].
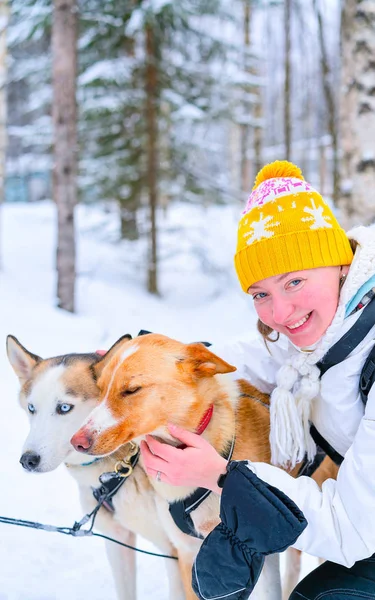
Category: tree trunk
[258,131]
[331,105]
[245,128]
[129,205]
[64,114]
[287,107]
[322,169]
[152,154]
[248,171]
[358,112]
[4,18]
[128,219]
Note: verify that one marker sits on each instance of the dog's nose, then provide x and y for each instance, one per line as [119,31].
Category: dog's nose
[30,460]
[81,441]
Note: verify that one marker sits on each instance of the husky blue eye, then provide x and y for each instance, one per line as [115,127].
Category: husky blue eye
[31,408]
[63,409]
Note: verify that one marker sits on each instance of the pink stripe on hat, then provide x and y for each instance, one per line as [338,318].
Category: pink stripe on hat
[275,188]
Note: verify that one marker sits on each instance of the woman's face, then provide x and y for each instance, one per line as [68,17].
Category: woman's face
[301,304]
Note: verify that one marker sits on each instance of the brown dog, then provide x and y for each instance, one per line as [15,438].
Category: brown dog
[152,380]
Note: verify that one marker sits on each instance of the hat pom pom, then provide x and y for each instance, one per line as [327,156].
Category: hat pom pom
[279,168]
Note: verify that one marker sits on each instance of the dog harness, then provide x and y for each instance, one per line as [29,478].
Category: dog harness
[112,481]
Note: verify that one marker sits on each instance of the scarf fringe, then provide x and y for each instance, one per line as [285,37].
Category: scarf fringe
[287,444]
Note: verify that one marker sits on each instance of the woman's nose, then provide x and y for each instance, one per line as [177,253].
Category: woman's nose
[282,310]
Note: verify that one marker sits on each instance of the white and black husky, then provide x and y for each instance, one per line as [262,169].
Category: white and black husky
[58,394]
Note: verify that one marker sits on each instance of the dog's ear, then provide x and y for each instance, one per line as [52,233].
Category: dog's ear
[98,366]
[200,362]
[21,359]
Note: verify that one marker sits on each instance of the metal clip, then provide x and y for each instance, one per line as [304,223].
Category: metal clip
[133,450]
[120,467]
[123,467]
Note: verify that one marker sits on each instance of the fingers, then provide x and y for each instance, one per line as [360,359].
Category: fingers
[186,437]
[192,466]
[164,451]
[166,460]
[159,458]
[150,460]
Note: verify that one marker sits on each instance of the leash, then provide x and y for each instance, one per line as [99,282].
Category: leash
[110,484]
[76,530]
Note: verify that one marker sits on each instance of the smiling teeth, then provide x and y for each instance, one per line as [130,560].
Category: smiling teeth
[301,322]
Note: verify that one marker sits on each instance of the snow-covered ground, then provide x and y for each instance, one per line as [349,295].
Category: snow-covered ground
[199,300]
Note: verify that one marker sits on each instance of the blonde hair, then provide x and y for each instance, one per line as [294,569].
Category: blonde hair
[266,331]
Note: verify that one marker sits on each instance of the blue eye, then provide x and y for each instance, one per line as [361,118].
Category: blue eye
[295,282]
[31,408]
[63,409]
[259,296]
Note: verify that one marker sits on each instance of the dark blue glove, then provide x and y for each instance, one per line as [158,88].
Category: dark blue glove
[256,519]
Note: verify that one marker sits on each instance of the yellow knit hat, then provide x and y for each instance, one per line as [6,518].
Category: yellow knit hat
[286,226]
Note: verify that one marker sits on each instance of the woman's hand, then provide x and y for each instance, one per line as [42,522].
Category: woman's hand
[196,465]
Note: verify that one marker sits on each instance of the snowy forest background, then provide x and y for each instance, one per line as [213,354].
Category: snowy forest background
[142,104]
[130,134]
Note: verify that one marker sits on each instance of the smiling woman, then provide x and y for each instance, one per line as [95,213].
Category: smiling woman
[312,291]
[301,304]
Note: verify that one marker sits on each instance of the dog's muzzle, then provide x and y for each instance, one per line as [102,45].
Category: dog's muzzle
[30,460]
[82,441]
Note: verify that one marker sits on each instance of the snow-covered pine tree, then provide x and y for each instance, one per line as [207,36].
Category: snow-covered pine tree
[154,102]
[29,89]
[109,107]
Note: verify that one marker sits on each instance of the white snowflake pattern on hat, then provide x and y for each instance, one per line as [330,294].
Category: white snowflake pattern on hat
[317,216]
[260,229]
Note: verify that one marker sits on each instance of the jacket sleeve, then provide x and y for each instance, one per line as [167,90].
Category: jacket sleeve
[255,361]
[340,516]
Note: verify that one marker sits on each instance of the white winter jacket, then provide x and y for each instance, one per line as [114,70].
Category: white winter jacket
[341,515]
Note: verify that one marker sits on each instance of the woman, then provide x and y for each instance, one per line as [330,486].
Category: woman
[308,289]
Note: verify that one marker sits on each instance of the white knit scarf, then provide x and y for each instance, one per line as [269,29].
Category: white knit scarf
[298,380]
